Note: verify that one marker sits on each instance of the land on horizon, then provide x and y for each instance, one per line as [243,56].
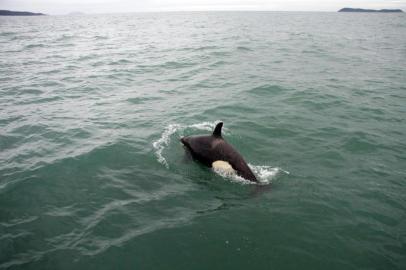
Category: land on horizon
[346,9]
[19,13]
[369,10]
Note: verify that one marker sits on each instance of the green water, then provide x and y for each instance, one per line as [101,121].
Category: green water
[92,174]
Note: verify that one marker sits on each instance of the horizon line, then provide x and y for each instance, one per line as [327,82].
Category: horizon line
[182,10]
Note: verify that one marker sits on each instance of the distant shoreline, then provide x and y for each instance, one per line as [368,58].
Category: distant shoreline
[19,13]
[349,10]
[370,10]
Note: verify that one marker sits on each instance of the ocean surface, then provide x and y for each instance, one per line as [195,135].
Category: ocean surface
[93,176]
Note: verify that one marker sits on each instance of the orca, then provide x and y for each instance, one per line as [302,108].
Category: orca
[213,151]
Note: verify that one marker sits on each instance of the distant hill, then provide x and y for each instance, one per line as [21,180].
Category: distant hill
[19,13]
[369,10]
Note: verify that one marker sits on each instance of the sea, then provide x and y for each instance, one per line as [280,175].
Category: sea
[93,175]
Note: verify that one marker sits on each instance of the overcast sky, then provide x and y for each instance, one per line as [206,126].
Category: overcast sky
[110,6]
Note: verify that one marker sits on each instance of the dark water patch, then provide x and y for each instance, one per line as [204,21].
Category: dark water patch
[299,96]
[10,119]
[374,81]
[64,38]
[8,141]
[35,62]
[315,101]
[318,106]
[76,133]
[97,64]
[206,83]
[29,129]
[55,56]
[31,91]
[101,37]
[280,132]
[373,111]
[314,51]
[82,161]
[177,64]
[7,34]
[218,64]
[142,100]
[220,53]
[243,125]
[33,46]
[359,144]
[244,49]
[332,159]
[199,48]
[50,72]
[108,154]
[92,222]
[64,45]
[87,57]
[388,198]
[268,90]
[39,100]
[120,62]
[5,79]
[333,132]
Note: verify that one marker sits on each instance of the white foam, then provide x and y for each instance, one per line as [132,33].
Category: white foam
[209,126]
[233,177]
[164,141]
[265,174]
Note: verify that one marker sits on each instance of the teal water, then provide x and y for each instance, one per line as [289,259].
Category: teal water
[92,174]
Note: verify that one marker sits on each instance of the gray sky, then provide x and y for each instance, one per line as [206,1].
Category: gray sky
[110,6]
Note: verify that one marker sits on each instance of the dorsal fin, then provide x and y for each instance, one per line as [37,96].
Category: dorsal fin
[217,130]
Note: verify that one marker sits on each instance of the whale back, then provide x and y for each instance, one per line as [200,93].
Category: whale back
[211,148]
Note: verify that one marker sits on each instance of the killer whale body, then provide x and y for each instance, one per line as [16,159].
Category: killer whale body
[211,148]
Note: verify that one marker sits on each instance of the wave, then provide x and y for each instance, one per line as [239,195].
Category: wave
[265,174]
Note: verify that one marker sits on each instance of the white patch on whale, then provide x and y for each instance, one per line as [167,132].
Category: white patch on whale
[265,174]
[223,167]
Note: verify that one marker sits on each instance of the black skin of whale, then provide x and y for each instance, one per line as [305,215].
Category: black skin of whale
[209,148]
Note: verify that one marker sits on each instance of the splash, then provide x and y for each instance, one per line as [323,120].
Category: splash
[265,175]
[163,142]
